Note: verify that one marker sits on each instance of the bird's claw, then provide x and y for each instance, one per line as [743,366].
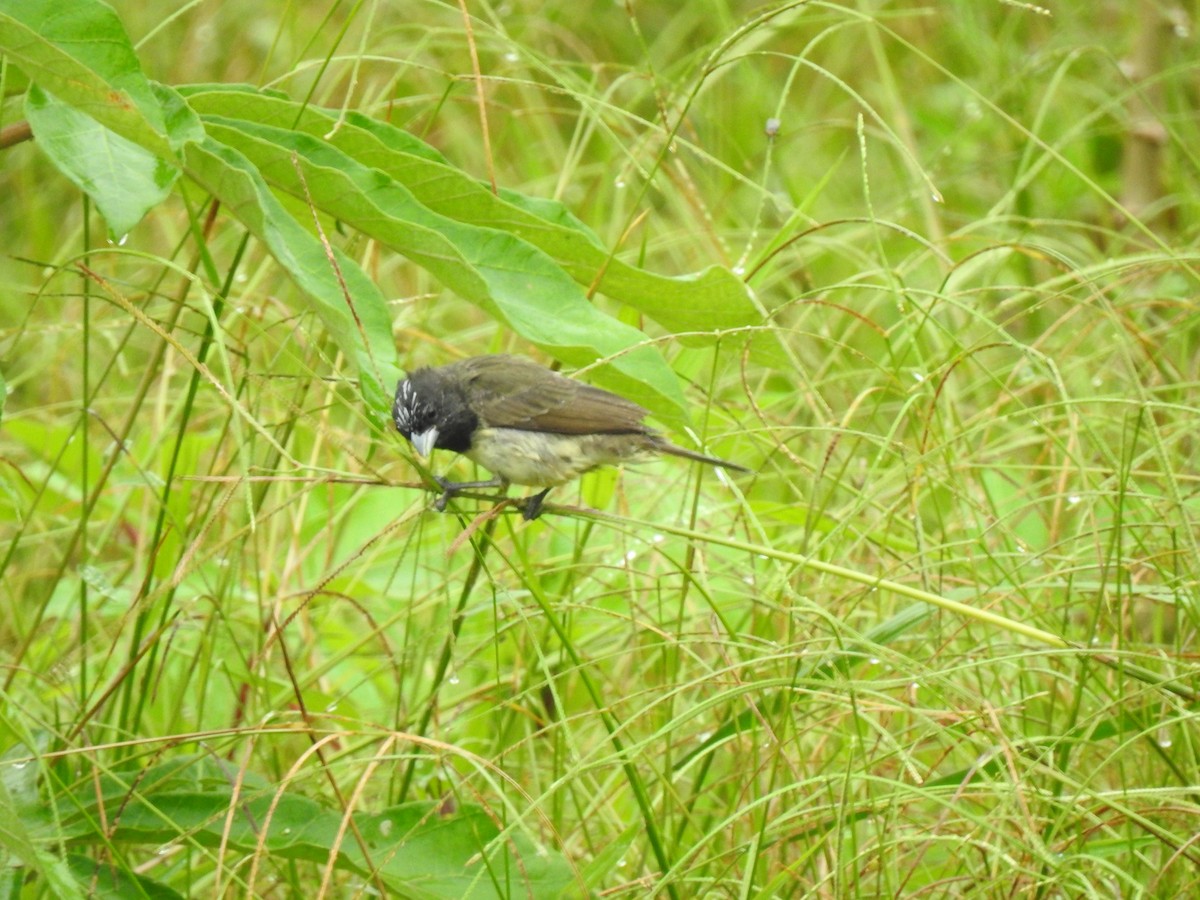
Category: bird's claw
[448,488]
[531,507]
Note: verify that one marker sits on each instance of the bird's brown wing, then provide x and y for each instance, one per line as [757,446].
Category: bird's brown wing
[510,392]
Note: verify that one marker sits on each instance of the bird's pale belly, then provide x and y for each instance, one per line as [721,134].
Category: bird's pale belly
[542,459]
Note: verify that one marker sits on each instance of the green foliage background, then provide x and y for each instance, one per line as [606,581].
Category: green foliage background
[929,270]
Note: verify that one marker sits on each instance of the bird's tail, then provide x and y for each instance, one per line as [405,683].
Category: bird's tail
[668,447]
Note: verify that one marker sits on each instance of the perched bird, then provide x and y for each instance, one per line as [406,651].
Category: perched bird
[524,423]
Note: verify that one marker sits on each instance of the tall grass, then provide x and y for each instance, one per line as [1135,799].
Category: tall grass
[975,378]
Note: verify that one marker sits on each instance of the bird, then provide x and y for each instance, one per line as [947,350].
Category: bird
[524,423]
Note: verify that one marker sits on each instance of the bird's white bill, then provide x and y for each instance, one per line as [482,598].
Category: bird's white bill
[423,442]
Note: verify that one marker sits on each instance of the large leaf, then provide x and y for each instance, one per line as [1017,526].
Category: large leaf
[78,51]
[23,824]
[696,305]
[416,849]
[511,279]
[521,260]
[123,179]
[104,881]
[360,322]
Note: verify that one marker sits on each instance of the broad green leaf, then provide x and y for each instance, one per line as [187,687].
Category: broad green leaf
[416,849]
[512,280]
[124,180]
[700,303]
[105,881]
[19,819]
[79,52]
[360,323]
[461,854]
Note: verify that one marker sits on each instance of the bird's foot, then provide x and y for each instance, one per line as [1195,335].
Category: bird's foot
[450,488]
[531,507]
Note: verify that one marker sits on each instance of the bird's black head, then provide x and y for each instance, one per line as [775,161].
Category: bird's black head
[432,412]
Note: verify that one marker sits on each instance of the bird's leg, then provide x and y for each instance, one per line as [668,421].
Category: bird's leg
[531,507]
[451,488]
